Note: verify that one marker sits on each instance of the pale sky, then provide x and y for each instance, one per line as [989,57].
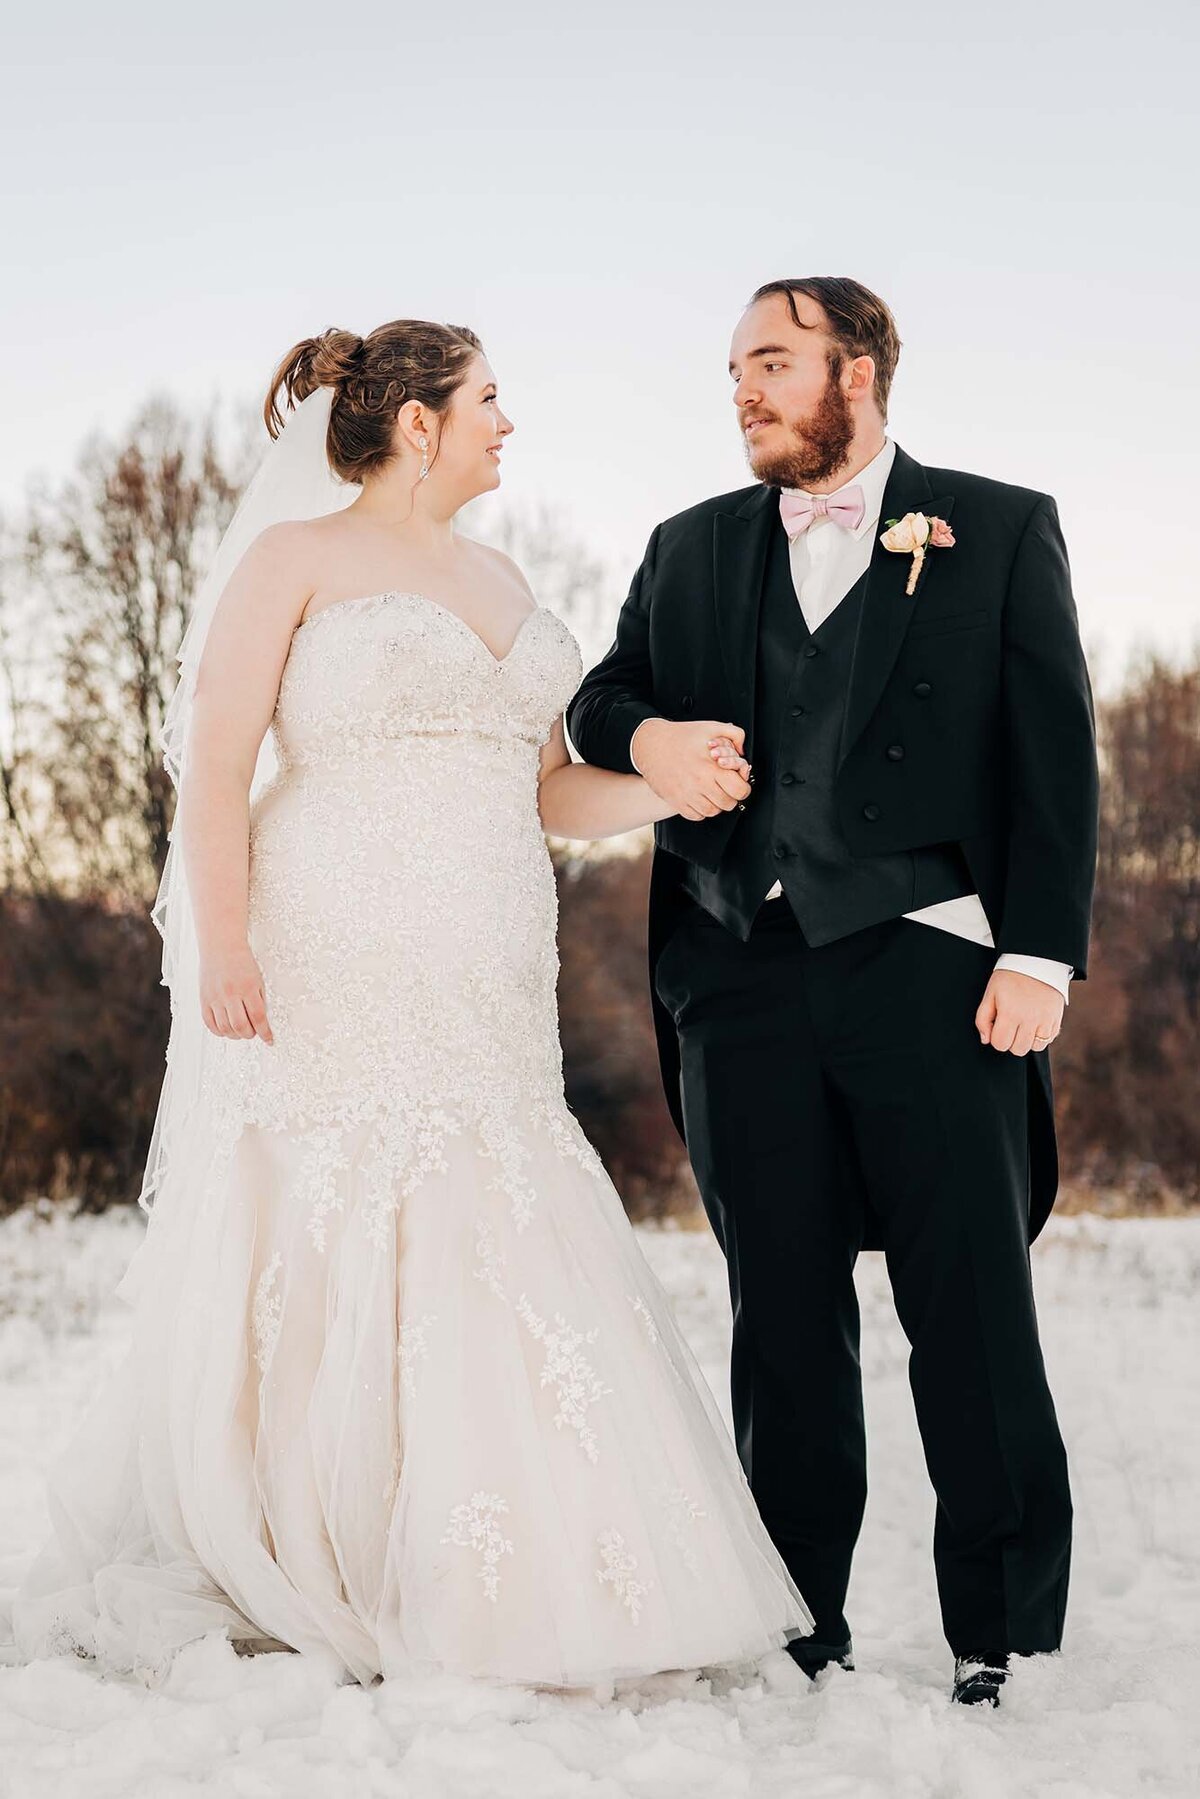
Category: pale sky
[182,197]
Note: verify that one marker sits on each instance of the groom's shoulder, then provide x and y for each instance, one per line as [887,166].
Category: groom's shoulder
[697,517]
[1005,499]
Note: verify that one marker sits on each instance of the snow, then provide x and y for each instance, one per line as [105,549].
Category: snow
[1117,1713]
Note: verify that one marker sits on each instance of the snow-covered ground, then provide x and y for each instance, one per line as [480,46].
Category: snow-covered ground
[1118,1713]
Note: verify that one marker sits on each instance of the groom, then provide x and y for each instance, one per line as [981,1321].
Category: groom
[860,953]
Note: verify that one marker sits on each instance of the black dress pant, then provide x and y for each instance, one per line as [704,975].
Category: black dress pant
[817,1081]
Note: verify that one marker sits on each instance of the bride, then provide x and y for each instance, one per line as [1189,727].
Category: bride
[403,1392]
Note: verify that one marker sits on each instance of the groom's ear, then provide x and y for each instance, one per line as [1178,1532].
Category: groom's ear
[858,377]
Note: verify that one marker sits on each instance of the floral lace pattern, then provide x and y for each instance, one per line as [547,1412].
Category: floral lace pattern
[491,1259]
[267,1314]
[410,984]
[413,1347]
[643,1312]
[473,1526]
[681,1510]
[569,1372]
[653,1335]
[619,1572]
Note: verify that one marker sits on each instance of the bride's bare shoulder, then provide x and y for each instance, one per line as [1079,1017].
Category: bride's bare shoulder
[316,546]
[274,578]
[292,539]
[291,556]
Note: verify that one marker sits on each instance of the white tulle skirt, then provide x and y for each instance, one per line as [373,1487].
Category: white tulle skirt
[465,1442]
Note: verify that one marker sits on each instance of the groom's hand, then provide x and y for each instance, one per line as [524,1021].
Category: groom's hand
[1018,1013]
[676,761]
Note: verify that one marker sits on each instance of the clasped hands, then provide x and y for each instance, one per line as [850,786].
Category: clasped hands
[698,766]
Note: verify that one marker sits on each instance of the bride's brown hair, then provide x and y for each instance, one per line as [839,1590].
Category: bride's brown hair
[371,378]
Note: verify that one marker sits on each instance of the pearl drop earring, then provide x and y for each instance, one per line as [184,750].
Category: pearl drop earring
[424,443]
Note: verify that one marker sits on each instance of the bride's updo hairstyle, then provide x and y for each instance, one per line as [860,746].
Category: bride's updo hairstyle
[371,378]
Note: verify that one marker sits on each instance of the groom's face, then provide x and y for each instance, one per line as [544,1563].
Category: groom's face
[796,420]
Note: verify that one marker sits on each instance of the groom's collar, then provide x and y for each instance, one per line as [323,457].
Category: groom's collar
[871,480]
[906,489]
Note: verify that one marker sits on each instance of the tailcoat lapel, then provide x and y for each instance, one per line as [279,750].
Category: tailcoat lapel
[741,539]
[886,609]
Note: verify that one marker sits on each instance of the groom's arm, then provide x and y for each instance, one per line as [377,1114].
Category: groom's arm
[1050,755]
[618,694]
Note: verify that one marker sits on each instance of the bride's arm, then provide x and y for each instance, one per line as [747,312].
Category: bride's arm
[578,800]
[237,684]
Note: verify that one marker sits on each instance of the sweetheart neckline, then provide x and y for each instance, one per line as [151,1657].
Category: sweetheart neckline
[412,593]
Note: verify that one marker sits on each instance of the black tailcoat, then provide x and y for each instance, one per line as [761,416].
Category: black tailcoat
[979,674]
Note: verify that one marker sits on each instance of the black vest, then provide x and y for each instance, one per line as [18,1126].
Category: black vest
[789,831]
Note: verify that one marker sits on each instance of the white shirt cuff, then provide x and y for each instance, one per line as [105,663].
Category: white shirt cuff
[1042,968]
[632,741]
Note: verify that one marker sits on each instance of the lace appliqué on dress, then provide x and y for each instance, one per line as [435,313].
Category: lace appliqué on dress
[654,1335]
[568,1370]
[619,1572]
[491,1259]
[643,1311]
[413,1347]
[411,984]
[681,1510]
[473,1526]
[267,1314]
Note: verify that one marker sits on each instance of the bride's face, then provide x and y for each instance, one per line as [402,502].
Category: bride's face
[472,434]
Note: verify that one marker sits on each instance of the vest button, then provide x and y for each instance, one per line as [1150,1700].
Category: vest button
[895,752]
[779,852]
[812,650]
[872,812]
[786,780]
[922,690]
[686,702]
[798,711]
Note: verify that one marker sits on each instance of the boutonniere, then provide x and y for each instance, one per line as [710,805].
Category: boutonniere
[912,536]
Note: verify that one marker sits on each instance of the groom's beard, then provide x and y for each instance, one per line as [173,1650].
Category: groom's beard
[820,444]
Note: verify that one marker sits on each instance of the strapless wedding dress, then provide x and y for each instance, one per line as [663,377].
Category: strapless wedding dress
[403,1391]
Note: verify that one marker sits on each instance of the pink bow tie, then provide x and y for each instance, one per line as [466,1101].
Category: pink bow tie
[798,510]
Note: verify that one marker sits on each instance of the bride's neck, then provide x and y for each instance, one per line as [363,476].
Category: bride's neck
[417,512]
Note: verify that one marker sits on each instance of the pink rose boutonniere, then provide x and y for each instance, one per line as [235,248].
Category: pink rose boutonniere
[912,536]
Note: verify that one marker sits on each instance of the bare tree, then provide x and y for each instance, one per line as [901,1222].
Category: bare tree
[111,564]
[1127,1071]
[97,582]
[1150,820]
[22,860]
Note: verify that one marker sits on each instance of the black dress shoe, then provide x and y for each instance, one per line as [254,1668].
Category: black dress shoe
[812,1656]
[978,1678]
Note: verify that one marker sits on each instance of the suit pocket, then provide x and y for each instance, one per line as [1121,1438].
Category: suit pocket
[951,621]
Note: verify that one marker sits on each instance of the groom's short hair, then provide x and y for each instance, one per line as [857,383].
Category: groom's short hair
[860,323]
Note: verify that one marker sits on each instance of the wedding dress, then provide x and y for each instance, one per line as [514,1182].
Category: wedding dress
[403,1391]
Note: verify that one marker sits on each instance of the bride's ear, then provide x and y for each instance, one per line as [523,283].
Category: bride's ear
[413,422]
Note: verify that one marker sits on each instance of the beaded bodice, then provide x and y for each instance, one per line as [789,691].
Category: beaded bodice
[402,901]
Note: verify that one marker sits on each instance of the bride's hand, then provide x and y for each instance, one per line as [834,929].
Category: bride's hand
[725,754]
[232,1000]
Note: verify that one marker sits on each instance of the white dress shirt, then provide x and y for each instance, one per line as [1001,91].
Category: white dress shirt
[826,561]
